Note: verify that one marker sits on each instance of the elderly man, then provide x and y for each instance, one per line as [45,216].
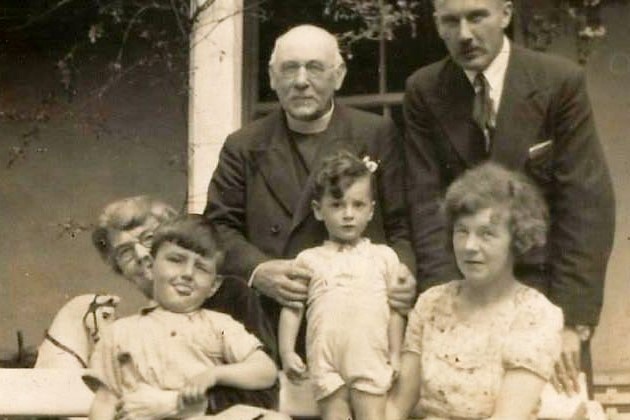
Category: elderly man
[123,238]
[491,99]
[260,194]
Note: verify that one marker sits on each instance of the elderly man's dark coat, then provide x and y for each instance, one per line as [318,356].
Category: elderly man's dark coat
[256,200]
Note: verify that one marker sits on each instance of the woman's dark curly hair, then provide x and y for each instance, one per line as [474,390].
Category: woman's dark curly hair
[490,185]
[337,172]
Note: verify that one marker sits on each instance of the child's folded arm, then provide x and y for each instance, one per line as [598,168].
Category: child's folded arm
[257,371]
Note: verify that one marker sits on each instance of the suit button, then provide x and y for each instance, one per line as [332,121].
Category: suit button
[275,229]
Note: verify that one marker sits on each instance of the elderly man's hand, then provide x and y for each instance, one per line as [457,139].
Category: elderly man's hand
[283,281]
[567,369]
[402,295]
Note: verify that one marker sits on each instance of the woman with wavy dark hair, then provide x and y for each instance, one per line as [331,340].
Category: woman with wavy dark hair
[484,346]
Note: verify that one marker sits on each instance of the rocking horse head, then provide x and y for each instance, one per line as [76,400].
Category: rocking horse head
[75,329]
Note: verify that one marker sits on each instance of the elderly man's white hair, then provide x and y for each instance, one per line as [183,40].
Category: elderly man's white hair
[314,31]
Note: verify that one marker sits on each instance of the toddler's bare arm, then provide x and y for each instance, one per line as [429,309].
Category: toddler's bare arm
[288,327]
[395,333]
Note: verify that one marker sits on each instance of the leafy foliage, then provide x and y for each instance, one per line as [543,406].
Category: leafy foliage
[136,34]
[543,21]
[375,19]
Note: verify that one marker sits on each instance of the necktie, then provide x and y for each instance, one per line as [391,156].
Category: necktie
[483,111]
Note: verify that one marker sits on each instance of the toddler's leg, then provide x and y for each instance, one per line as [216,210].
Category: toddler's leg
[367,406]
[336,406]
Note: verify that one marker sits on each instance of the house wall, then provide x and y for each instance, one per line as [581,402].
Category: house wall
[77,158]
[608,73]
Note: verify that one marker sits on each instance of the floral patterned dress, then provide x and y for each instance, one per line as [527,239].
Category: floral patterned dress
[463,361]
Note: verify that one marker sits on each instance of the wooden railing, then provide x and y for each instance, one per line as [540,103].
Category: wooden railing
[43,392]
[613,392]
[62,393]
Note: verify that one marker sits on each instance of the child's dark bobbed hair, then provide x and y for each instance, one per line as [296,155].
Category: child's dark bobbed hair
[490,185]
[193,232]
[337,172]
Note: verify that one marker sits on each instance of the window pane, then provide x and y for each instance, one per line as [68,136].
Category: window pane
[405,53]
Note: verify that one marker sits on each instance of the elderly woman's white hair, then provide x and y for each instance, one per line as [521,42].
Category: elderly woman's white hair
[123,215]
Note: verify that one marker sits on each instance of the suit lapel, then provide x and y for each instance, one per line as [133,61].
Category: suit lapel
[338,136]
[453,105]
[521,113]
[276,164]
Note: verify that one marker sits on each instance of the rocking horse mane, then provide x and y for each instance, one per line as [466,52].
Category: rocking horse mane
[74,330]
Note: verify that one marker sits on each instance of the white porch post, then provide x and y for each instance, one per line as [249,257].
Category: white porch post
[214,104]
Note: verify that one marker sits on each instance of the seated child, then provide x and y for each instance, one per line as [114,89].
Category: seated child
[174,346]
[353,338]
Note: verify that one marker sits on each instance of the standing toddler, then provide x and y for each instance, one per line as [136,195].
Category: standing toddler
[353,339]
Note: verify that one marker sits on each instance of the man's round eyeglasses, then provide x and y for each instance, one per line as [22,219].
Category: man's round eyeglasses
[314,69]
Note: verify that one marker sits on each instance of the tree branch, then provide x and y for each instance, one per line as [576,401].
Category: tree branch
[132,21]
[42,16]
[180,24]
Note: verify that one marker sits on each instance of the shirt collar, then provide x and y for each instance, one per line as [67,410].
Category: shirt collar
[339,247]
[495,72]
[310,127]
[150,306]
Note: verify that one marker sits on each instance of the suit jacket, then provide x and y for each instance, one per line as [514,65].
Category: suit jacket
[544,128]
[236,299]
[262,211]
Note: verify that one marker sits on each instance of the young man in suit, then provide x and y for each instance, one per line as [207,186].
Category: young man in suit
[491,99]
[260,194]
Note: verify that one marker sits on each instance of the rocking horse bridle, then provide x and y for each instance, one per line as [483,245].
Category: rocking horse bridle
[92,308]
[65,348]
[94,305]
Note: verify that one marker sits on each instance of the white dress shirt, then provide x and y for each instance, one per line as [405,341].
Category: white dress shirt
[495,75]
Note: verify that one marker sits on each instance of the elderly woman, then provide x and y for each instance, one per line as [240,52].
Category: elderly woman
[482,347]
[124,236]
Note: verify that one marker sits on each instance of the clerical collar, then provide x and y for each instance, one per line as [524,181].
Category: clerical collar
[310,127]
[495,72]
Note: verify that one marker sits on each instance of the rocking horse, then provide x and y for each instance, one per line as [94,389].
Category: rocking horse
[75,329]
